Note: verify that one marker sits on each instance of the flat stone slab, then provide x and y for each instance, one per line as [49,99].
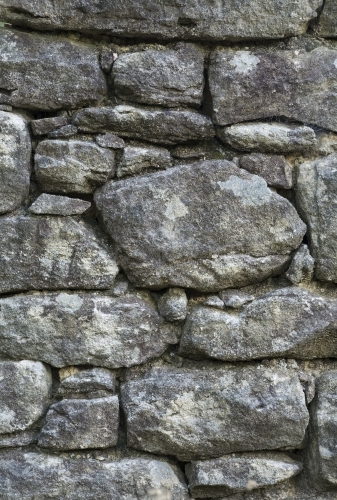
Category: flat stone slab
[208,226]
[201,414]
[48,204]
[44,126]
[137,159]
[65,329]
[87,381]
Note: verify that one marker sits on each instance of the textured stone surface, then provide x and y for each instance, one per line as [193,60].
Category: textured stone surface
[15,153]
[87,381]
[172,304]
[275,170]
[239,473]
[196,414]
[296,84]
[50,253]
[289,322]
[25,390]
[316,189]
[302,266]
[166,127]
[23,474]
[63,132]
[207,226]
[46,125]
[76,329]
[15,439]
[58,205]
[110,141]
[135,159]
[170,77]
[81,423]
[72,166]
[327,26]
[42,72]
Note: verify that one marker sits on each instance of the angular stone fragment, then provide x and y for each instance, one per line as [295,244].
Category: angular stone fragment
[239,473]
[170,77]
[290,322]
[41,72]
[316,190]
[15,153]
[275,170]
[58,205]
[81,423]
[23,474]
[327,26]
[206,20]
[78,329]
[110,141]
[301,267]
[172,304]
[166,127]
[135,159]
[208,226]
[51,253]
[72,166]
[255,85]
[86,381]
[199,414]
[268,137]
[235,298]
[25,390]
[46,125]
[63,132]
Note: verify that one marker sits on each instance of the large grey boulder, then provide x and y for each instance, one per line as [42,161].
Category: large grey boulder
[249,85]
[15,156]
[50,253]
[41,72]
[171,77]
[206,20]
[72,166]
[199,414]
[290,322]
[238,473]
[209,226]
[77,329]
[316,190]
[24,475]
[25,391]
[159,126]
[327,26]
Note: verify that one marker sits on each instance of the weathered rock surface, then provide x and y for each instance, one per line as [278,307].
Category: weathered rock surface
[297,84]
[15,153]
[58,205]
[166,127]
[239,473]
[290,322]
[72,166]
[87,381]
[110,141]
[25,390]
[15,439]
[196,414]
[42,72]
[275,170]
[302,266]
[63,132]
[76,329]
[136,159]
[235,298]
[316,190]
[23,474]
[46,125]
[172,304]
[208,226]
[171,77]
[81,423]
[327,26]
[50,253]
[189,20]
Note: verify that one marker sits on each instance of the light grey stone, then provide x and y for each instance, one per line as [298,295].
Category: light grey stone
[40,72]
[15,156]
[51,253]
[58,205]
[66,329]
[63,132]
[72,166]
[248,85]
[25,391]
[207,226]
[268,137]
[316,190]
[302,266]
[239,473]
[159,126]
[110,141]
[24,438]
[326,143]
[46,125]
[327,26]
[136,159]
[86,381]
[235,298]
[172,304]
[24,475]
[290,322]
[214,301]
[198,414]
[169,77]
[81,423]
[275,170]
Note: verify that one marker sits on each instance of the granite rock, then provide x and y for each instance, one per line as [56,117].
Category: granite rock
[46,125]
[327,26]
[275,170]
[136,159]
[87,381]
[302,266]
[63,132]
[110,141]
[13,440]
[172,304]
[49,204]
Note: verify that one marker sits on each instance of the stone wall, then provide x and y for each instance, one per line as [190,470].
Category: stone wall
[168,234]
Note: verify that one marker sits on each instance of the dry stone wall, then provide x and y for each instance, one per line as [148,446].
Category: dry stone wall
[168,235]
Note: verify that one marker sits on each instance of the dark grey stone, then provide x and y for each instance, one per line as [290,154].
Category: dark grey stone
[275,170]
[110,141]
[86,381]
[46,125]
[63,132]
[24,438]
[327,26]
[58,205]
